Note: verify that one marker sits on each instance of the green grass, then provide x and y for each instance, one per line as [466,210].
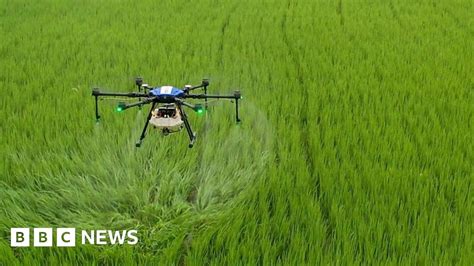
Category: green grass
[356,144]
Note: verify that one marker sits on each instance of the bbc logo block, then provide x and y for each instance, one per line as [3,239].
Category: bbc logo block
[42,237]
[20,237]
[66,237]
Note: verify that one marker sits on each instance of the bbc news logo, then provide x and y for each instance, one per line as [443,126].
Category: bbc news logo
[66,237]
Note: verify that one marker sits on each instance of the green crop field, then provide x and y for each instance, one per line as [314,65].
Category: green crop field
[356,144]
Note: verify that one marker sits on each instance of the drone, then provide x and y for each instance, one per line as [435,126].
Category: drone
[166,113]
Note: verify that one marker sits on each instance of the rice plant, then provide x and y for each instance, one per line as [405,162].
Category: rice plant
[355,146]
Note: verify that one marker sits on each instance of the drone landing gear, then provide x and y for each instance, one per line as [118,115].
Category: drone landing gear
[142,136]
[193,139]
[191,134]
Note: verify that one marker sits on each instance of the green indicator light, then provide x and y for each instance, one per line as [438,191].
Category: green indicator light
[199,109]
[120,107]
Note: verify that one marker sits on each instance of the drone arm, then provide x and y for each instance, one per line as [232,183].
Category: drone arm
[96,92]
[204,84]
[205,96]
[178,101]
[196,87]
[237,96]
[146,101]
